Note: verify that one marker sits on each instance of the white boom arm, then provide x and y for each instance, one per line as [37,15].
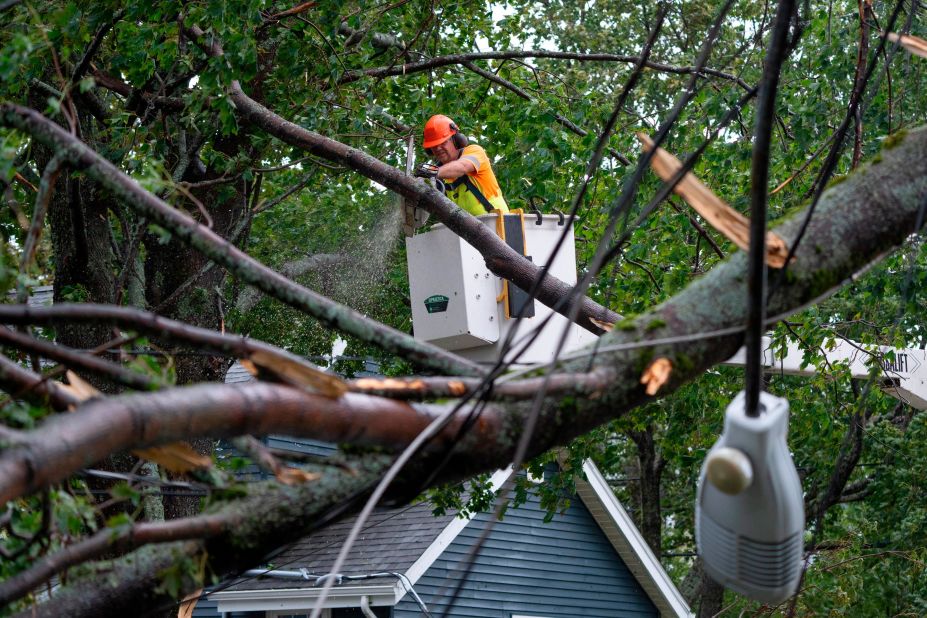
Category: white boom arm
[903,370]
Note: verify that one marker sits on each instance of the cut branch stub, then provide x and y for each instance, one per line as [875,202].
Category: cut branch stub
[734,226]
[656,375]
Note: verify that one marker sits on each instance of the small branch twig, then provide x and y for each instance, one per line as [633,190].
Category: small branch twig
[84,63]
[442,61]
[562,120]
[32,387]
[42,199]
[78,360]
[261,207]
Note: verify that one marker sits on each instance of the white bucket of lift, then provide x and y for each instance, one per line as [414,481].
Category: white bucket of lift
[456,300]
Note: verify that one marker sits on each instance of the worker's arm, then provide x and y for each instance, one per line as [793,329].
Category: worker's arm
[455,169]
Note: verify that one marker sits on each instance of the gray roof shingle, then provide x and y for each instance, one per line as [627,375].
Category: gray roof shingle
[393,540]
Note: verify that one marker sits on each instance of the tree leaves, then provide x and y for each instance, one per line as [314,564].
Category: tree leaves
[298,62]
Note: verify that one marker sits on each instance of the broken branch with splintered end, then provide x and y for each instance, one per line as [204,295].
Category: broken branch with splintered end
[913,44]
[734,225]
[278,366]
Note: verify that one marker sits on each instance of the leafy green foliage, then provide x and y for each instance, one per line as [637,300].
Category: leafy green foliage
[338,232]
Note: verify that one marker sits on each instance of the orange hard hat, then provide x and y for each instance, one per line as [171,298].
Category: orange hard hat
[437,130]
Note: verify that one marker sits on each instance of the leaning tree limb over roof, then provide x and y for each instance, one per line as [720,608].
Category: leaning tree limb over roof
[857,221]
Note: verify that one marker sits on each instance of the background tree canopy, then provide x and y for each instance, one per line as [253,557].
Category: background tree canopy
[219,130]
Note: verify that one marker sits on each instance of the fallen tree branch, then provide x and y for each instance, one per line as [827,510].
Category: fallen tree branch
[858,221]
[111,541]
[577,384]
[24,384]
[216,248]
[501,259]
[265,516]
[166,329]
[77,360]
[67,443]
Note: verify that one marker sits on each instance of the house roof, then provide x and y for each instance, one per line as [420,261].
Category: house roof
[40,296]
[410,539]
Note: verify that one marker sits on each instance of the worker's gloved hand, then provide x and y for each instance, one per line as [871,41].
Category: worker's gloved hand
[426,170]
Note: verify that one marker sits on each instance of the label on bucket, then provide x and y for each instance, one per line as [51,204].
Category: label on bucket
[436,303]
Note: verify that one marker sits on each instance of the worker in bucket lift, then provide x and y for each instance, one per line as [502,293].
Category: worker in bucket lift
[464,168]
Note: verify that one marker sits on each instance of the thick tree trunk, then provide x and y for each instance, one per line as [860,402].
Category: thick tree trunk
[84,267]
[650,465]
[711,598]
[171,265]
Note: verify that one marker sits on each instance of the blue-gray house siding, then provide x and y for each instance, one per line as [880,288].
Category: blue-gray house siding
[562,569]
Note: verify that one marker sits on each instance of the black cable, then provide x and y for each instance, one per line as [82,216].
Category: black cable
[776,54]
[575,297]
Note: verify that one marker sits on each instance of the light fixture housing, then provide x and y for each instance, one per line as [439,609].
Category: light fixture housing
[749,512]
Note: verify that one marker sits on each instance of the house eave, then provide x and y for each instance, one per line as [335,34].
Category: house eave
[627,540]
[303,598]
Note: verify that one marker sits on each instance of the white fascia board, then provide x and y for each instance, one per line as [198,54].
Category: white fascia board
[669,601]
[304,598]
[447,536]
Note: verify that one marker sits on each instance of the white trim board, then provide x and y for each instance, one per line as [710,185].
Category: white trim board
[629,543]
[303,599]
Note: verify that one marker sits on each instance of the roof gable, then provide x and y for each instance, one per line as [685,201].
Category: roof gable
[411,540]
[560,568]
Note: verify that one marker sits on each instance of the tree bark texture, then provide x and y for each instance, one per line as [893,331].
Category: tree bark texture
[650,465]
